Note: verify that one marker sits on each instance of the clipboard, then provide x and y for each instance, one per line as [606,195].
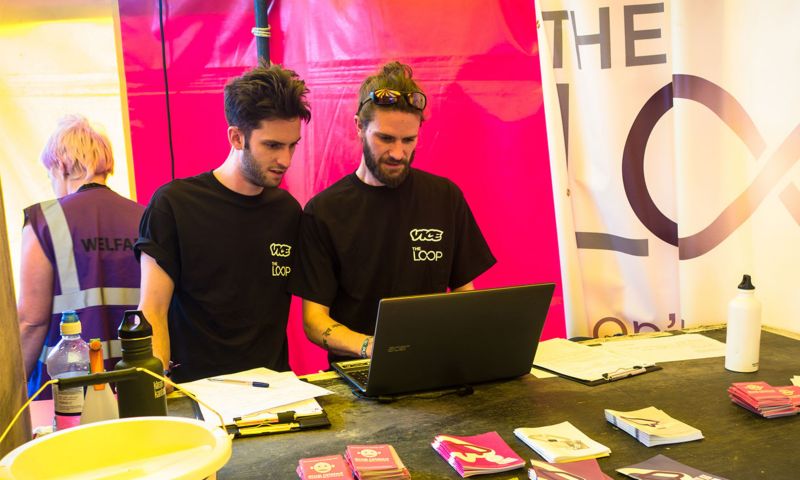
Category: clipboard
[587,365]
[282,403]
[608,377]
[282,422]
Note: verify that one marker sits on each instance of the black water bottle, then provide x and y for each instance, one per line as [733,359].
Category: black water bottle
[143,395]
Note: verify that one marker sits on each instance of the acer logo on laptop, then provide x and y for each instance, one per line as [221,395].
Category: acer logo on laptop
[398,348]
[426,235]
[280,249]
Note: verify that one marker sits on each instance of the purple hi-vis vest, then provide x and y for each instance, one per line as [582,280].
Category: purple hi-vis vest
[88,238]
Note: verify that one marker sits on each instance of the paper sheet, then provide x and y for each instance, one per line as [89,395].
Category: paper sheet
[673,348]
[580,361]
[539,373]
[286,392]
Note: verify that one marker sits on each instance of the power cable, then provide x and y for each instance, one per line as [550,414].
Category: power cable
[166,87]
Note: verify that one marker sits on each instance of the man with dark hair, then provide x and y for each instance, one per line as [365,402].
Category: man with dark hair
[386,230]
[216,248]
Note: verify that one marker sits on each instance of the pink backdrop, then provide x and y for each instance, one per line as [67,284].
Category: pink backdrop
[479,67]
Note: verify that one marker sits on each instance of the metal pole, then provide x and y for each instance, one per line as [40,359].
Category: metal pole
[262,29]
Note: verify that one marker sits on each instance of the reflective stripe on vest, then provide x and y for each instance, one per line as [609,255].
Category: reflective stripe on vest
[94,297]
[62,246]
[72,297]
[111,349]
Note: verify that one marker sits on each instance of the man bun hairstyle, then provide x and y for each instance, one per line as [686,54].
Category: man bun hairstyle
[265,93]
[393,76]
[77,151]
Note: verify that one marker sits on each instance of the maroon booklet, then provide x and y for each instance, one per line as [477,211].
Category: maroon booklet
[791,391]
[329,467]
[477,454]
[764,399]
[375,462]
[664,467]
[581,470]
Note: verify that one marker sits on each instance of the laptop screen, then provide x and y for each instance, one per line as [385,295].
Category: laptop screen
[435,341]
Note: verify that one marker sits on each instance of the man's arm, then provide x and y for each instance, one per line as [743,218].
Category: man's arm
[156,294]
[35,298]
[324,331]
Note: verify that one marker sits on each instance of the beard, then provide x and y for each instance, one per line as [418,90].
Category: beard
[254,173]
[391,180]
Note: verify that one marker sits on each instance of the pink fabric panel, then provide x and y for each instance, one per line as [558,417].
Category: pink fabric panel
[485,121]
[206,43]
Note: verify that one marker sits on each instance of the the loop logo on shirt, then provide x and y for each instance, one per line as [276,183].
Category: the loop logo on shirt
[280,250]
[419,254]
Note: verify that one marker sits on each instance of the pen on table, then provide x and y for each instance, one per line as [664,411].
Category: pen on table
[241,382]
[624,373]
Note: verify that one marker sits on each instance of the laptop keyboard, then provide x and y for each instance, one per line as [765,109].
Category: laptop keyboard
[360,376]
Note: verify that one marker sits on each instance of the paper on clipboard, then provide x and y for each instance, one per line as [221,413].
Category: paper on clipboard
[286,392]
[673,348]
[587,364]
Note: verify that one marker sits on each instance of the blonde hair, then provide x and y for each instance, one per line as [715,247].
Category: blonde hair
[78,151]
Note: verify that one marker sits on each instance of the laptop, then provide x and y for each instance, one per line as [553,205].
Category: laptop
[437,341]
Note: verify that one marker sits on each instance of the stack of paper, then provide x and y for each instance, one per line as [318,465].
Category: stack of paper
[317,468]
[375,462]
[662,466]
[562,442]
[477,454]
[652,426]
[766,400]
[284,401]
[582,469]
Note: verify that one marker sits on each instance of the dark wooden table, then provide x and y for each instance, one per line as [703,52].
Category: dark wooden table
[737,444]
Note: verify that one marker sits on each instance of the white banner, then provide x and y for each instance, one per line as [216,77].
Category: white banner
[56,60]
[674,139]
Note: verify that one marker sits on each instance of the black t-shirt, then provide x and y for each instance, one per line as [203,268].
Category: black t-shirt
[360,243]
[229,256]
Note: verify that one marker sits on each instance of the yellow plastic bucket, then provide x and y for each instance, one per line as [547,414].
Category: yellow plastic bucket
[129,448]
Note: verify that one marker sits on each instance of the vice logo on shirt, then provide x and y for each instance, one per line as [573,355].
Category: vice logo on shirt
[426,235]
[280,249]
[419,254]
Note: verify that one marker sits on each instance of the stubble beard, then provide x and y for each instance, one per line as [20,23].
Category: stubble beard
[254,173]
[390,180]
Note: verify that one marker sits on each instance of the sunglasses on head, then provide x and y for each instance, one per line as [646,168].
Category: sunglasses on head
[384,96]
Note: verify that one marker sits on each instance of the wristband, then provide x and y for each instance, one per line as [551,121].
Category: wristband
[364,347]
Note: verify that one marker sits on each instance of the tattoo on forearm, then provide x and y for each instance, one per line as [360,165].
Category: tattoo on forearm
[327,333]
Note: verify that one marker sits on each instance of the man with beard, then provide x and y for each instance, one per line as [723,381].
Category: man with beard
[386,230]
[216,249]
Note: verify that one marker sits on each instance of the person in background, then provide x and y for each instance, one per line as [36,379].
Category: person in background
[386,230]
[77,250]
[216,249]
